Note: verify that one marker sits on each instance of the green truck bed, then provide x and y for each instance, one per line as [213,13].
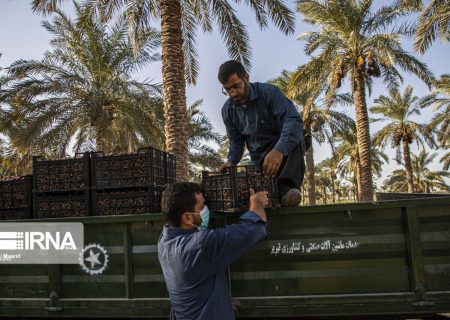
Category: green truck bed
[335,260]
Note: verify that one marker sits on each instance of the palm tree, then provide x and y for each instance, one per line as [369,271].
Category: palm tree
[13,162]
[441,118]
[434,22]
[425,180]
[324,181]
[180,21]
[319,118]
[446,161]
[200,134]
[345,191]
[347,152]
[224,148]
[5,168]
[401,130]
[329,167]
[356,43]
[82,92]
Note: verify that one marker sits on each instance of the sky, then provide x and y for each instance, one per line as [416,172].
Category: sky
[23,37]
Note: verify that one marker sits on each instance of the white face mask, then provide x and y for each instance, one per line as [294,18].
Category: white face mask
[204,214]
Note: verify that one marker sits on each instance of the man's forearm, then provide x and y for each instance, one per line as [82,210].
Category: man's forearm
[287,141]
[235,152]
[259,210]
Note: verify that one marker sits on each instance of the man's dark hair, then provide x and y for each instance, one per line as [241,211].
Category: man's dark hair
[177,199]
[229,68]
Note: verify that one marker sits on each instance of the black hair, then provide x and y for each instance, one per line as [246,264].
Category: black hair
[229,68]
[177,199]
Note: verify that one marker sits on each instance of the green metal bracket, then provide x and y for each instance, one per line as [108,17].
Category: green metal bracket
[128,260]
[415,255]
[53,300]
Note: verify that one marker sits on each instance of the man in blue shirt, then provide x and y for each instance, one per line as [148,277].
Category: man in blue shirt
[260,116]
[194,261]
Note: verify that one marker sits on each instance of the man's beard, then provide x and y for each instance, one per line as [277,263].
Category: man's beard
[244,100]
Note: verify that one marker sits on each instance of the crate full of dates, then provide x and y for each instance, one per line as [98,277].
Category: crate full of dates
[61,206]
[63,175]
[144,168]
[228,191]
[15,193]
[127,201]
[16,197]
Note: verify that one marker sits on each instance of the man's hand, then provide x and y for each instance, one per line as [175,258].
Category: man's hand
[258,201]
[224,166]
[272,163]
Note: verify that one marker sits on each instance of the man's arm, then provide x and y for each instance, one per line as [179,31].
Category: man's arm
[292,130]
[237,140]
[223,246]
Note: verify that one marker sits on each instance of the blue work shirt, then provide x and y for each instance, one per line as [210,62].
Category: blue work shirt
[194,264]
[269,120]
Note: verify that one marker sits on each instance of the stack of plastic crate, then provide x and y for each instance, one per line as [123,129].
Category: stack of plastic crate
[131,183]
[61,188]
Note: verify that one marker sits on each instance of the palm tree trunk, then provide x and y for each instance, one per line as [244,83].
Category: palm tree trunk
[358,181]
[130,144]
[355,184]
[100,141]
[310,174]
[363,136]
[408,167]
[174,85]
[333,192]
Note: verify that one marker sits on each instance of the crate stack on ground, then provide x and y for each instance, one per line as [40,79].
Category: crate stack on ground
[61,188]
[16,198]
[229,191]
[131,183]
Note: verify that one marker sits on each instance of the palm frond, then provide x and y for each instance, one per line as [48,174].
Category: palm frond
[189,30]
[233,32]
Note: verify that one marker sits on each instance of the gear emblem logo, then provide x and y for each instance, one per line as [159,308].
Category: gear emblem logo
[93,259]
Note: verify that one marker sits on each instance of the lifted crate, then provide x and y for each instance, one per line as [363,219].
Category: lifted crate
[127,201]
[61,206]
[16,193]
[65,175]
[144,168]
[229,191]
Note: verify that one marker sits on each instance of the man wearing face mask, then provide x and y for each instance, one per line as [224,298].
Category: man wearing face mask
[259,116]
[194,261]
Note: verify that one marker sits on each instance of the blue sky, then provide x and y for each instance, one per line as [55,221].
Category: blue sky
[23,37]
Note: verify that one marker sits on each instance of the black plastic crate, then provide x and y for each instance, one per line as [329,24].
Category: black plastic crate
[229,191]
[61,206]
[15,214]
[171,168]
[65,175]
[16,193]
[127,201]
[144,168]
[158,166]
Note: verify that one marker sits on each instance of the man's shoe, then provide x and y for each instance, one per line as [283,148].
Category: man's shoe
[291,199]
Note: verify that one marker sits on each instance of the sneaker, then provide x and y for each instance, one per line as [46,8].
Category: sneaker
[291,199]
